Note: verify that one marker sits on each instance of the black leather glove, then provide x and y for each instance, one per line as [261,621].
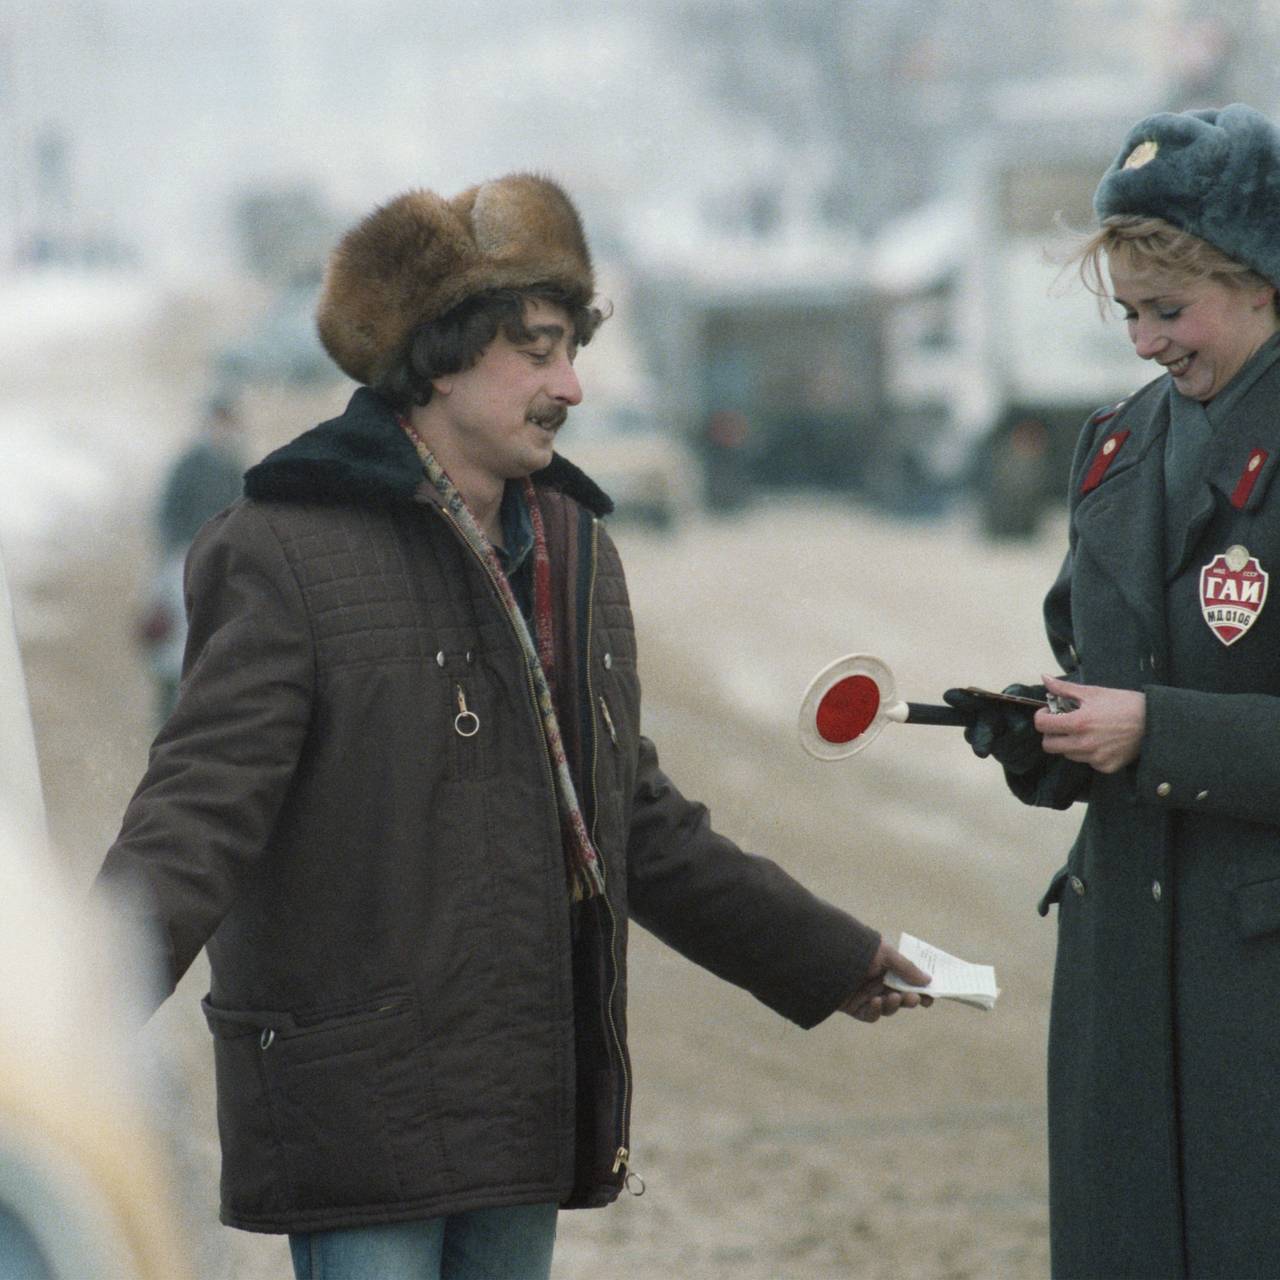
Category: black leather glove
[1001,729]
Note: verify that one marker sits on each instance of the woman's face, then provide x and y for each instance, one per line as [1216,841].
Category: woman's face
[1201,331]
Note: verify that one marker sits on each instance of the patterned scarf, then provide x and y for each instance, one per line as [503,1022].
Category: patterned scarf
[586,875]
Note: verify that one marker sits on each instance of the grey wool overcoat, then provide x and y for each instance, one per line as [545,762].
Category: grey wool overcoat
[1164,1047]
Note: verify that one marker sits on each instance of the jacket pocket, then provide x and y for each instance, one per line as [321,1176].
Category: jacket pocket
[321,1096]
[253,1182]
[1258,908]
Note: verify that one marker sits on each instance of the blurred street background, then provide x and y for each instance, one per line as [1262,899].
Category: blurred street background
[835,404]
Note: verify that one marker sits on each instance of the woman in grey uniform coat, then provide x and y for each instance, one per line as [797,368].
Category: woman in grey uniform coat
[1164,1043]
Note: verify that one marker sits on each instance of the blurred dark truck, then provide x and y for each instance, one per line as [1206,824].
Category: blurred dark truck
[766,355]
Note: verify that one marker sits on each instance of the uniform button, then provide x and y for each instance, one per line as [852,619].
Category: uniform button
[1202,795]
[1163,790]
[608,662]
[440,658]
[471,657]
[1156,891]
[1077,886]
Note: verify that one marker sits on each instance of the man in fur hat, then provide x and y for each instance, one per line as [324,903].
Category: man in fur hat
[404,799]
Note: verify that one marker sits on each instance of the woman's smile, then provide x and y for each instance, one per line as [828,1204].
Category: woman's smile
[1199,329]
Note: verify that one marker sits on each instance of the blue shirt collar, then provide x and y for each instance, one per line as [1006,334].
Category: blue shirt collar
[517,528]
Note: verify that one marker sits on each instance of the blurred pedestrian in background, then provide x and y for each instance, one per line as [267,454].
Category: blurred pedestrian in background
[726,484]
[206,477]
[1164,1098]
[404,798]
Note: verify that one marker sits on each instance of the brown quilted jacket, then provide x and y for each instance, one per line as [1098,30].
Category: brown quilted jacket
[405,1020]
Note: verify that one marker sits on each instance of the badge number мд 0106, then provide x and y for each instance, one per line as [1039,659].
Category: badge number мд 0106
[1233,589]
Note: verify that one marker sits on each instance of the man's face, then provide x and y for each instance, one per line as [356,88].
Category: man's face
[502,414]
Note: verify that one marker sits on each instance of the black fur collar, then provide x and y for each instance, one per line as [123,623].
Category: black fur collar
[363,457]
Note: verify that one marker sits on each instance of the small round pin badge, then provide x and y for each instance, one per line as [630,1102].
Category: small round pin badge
[1143,153]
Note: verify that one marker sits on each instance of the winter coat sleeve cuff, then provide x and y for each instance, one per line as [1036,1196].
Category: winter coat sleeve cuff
[1211,753]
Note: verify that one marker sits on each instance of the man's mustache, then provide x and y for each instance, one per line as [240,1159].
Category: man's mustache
[553,416]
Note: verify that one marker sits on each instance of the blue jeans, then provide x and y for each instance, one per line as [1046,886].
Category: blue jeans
[486,1244]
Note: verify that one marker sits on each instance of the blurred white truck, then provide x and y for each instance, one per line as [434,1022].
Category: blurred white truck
[993,353]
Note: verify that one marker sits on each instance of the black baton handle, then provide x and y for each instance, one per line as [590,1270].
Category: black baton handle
[931,713]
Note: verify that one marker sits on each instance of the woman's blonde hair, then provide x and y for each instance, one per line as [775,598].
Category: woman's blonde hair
[1154,244]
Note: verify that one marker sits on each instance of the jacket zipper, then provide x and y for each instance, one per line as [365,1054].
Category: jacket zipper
[267,1037]
[622,1157]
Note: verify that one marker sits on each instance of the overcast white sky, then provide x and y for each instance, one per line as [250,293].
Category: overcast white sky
[172,107]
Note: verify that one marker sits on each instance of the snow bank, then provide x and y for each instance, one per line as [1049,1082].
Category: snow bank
[72,355]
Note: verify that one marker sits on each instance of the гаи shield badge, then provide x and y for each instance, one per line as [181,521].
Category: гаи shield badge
[1233,589]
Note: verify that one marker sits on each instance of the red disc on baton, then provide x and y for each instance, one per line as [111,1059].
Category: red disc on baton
[846,705]
[847,709]
[849,701]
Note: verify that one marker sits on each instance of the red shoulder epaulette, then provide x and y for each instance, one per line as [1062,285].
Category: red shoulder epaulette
[1248,478]
[1108,411]
[1105,456]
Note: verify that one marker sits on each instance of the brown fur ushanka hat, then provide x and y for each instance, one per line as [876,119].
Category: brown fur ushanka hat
[419,255]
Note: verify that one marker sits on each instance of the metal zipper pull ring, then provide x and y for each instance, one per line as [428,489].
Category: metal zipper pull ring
[466,723]
[630,1179]
[608,721]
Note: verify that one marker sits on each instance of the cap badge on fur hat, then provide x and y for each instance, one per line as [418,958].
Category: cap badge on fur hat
[418,256]
[1214,174]
[1143,153]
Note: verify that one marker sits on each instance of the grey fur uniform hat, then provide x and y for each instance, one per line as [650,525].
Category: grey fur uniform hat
[416,257]
[1214,174]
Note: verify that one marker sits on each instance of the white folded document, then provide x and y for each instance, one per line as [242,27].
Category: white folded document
[953,978]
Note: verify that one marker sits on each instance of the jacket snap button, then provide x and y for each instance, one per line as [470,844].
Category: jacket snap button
[1163,789]
[1202,795]
[1077,886]
[1156,891]
[440,658]
[608,662]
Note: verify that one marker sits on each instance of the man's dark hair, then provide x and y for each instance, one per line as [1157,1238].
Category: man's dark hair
[458,338]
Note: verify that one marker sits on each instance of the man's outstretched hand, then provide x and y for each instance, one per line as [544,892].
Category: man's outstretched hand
[873,1000]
